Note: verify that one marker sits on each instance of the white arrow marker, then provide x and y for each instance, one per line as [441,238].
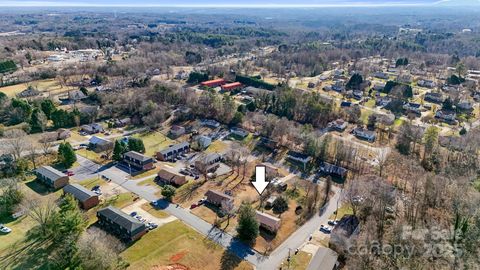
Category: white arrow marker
[260,183]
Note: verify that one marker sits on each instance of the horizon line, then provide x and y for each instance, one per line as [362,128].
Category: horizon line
[218,6]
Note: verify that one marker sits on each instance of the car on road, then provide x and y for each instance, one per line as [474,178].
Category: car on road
[133,214]
[4,229]
[325,229]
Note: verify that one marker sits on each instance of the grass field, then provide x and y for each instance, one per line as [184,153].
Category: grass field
[49,85]
[216,147]
[95,157]
[175,243]
[298,262]
[154,141]
[346,209]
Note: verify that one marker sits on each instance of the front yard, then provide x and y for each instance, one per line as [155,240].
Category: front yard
[177,244]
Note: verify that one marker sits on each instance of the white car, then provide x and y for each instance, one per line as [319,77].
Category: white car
[4,229]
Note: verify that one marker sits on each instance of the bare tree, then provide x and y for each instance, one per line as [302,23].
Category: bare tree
[16,142]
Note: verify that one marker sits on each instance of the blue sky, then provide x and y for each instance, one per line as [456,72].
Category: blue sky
[233,3]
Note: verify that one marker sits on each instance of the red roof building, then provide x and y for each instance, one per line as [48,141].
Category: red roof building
[213,83]
[231,86]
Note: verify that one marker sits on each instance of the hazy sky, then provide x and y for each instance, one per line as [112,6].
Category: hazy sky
[233,3]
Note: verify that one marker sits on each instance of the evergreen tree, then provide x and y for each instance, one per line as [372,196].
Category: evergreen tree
[355,81]
[135,144]
[168,192]
[47,107]
[280,205]
[247,228]
[66,154]
[119,149]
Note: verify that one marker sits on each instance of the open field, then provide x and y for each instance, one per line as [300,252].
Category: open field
[175,243]
[49,85]
[154,141]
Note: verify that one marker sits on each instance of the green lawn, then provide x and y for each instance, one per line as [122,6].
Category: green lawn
[365,114]
[177,243]
[19,227]
[370,103]
[90,183]
[154,141]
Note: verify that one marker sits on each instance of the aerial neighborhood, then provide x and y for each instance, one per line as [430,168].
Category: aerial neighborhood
[136,140]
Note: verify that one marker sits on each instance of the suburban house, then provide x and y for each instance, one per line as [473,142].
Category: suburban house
[434,97]
[299,157]
[210,123]
[92,128]
[238,132]
[85,197]
[231,86]
[337,125]
[347,227]
[378,86]
[171,178]
[381,75]
[268,222]
[411,107]
[219,199]
[76,95]
[176,131]
[267,143]
[364,134]
[63,133]
[203,141]
[138,161]
[465,105]
[51,177]
[98,144]
[383,101]
[213,83]
[118,223]
[328,259]
[333,170]
[122,122]
[29,92]
[208,162]
[426,83]
[173,151]
[446,116]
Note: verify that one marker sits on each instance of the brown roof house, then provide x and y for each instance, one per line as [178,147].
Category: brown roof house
[51,177]
[268,222]
[85,197]
[219,199]
[170,177]
[138,161]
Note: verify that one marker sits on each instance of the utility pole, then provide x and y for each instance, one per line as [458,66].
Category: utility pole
[288,259]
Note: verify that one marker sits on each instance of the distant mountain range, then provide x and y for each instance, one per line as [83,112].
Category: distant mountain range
[240,3]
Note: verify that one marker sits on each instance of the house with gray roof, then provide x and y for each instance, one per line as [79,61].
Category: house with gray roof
[51,177]
[85,197]
[173,151]
[118,223]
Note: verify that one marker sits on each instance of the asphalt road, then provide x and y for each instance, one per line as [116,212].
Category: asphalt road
[296,240]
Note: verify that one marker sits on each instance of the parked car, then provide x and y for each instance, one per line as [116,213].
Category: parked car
[95,187]
[69,173]
[133,214]
[325,229]
[333,222]
[4,229]
[193,206]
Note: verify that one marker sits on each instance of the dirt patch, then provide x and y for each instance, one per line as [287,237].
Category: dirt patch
[175,266]
[177,257]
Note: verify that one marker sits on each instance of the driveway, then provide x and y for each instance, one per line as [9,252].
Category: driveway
[86,170]
[137,207]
